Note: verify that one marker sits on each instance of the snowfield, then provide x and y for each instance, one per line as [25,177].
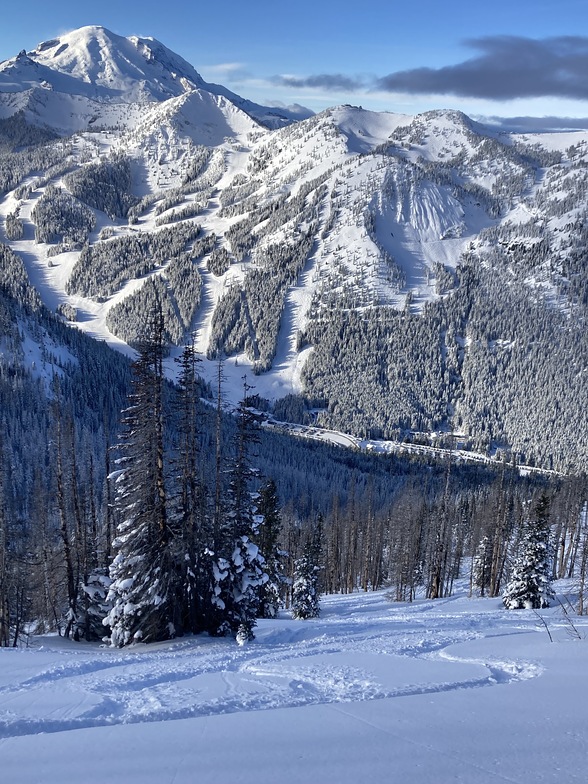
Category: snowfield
[453,690]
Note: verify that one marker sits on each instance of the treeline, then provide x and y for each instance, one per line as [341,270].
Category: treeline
[185,559]
[177,291]
[63,540]
[247,318]
[13,226]
[42,361]
[468,362]
[175,531]
[103,268]
[14,281]
[25,150]
[106,186]
[60,218]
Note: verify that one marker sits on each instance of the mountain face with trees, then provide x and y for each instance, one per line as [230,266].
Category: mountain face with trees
[385,275]
[393,277]
[134,510]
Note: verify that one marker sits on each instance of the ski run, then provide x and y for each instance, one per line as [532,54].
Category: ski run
[453,690]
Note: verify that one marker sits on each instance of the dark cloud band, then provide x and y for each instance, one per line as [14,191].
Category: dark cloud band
[530,124]
[329,82]
[508,67]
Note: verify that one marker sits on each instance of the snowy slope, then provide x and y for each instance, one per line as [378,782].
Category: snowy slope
[415,223]
[456,690]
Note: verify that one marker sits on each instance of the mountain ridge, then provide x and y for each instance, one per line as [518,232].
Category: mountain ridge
[382,274]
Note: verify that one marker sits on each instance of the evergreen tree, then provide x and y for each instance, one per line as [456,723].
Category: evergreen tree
[481,567]
[269,528]
[67,536]
[97,606]
[142,573]
[190,513]
[4,561]
[305,588]
[238,573]
[529,586]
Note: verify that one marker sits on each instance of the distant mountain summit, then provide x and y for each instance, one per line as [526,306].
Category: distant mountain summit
[100,65]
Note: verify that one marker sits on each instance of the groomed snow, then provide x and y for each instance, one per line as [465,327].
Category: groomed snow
[457,690]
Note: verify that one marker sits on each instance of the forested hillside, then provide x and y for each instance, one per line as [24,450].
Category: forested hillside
[95,451]
[415,279]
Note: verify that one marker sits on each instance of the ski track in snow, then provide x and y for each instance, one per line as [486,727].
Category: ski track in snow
[291,664]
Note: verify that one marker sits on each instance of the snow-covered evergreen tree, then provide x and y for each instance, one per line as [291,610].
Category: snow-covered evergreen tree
[4,562]
[96,606]
[305,589]
[239,572]
[482,567]
[529,586]
[191,523]
[142,591]
[269,528]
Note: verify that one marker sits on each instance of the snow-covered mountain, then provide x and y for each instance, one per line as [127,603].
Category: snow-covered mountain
[381,274]
[96,63]
[100,66]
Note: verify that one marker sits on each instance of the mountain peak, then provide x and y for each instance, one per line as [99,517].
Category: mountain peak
[105,64]
[98,64]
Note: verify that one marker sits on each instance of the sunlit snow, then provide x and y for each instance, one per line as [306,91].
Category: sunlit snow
[456,690]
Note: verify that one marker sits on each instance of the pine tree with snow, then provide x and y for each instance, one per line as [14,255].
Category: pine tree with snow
[4,562]
[305,587]
[529,586]
[95,591]
[191,523]
[239,566]
[482,567]
[269,529]
[142,591]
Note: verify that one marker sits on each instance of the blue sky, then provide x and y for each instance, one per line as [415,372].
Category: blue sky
[511,58]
